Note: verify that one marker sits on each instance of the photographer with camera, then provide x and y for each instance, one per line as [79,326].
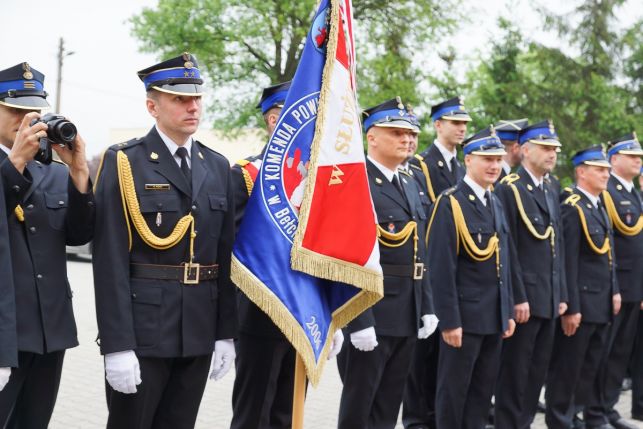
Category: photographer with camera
[49,205]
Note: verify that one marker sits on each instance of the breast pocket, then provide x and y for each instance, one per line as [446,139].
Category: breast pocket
[160,211]
[218,210]
[56,210]
[481,233]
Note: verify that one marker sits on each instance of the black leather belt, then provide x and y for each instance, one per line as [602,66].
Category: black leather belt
[186,273]
[414,271]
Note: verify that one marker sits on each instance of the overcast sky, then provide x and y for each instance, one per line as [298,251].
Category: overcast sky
[100,88]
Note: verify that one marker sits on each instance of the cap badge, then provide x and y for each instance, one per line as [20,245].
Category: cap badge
[551,126]
[188,64]
[399,103]
[27,74]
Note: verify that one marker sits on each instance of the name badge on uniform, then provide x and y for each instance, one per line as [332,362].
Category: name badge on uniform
[157,186]
[626,203]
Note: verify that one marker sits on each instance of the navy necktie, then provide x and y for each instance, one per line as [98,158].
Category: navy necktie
[185,168]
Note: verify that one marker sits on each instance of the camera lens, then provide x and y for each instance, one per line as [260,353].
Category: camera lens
[66,131]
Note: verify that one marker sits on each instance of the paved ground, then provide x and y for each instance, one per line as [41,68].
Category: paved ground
[81,402]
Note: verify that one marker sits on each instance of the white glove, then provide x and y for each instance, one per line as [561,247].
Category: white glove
[122,371]
[429,325]
[5,373]
[222,358]
[364,340]
[336,344]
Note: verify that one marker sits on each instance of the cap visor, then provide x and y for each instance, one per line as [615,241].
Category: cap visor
[457,117]
[631,152]
[27,103]
[548,142]
[598,163]
[189,89]
[397,124]
[489,152]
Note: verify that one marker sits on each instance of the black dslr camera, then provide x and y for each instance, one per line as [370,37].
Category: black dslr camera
[59,131]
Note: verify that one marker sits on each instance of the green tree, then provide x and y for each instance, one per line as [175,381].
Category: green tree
[248,44]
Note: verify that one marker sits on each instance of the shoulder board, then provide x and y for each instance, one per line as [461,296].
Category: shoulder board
[450,190]
[127,144]
[242,162]
[415,166]
[404,172]
[568,190]
[57,161]
[418,157]
[572,199]
[509,179]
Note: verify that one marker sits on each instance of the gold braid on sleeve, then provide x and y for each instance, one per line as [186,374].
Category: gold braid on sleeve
[620,226]
[131,207]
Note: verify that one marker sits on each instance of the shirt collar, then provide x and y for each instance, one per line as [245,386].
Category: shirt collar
[172,146]
[5,149]
[385,170]
[477,189]
[445,153]
[537,182]
[591,197]
[627,185]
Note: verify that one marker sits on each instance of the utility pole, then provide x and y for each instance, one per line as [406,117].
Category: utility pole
[61,56]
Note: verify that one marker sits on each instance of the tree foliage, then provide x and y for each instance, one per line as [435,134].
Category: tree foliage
[248,44]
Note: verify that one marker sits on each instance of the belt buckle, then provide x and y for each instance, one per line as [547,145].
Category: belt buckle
[191,272]
[418,271]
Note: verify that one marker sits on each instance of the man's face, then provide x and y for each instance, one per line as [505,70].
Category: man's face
[626,166]
[450,133]
[389,146]
[483,169]
[10,120]
[413,144]
[540,159]
[178,115]
[513,152]
[593,178]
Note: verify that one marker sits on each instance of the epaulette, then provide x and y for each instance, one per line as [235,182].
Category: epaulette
[404,172]
[127,144]
[572,199]
[57,161]
[450,190]
[242,162]
[202,146]
[417,167]
[509,179]
[418,157]
[568,190]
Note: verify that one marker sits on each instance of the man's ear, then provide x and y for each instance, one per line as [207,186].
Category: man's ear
[151,107]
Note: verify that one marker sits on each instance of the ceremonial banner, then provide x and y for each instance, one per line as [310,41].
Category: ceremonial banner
[311,198]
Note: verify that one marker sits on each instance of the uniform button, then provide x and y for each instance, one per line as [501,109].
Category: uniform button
[90,203]
[61,202]
[133,296]
[32,229]
[16,188]
[500,265]
[500,282]
[39,276]
[159,205]
[30,206]
[194,207]
[412,217]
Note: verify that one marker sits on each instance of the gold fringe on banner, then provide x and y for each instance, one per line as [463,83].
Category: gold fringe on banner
[270,304]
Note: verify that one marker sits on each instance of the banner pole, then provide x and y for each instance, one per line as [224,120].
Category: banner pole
[299,394]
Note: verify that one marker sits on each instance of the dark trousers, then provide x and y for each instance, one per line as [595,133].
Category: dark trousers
[637,371]
[263,387]
[613,366]
[418,407]
[28,399]
[373,383]
[523,368]
[466,380]
[167,398]
[574,364]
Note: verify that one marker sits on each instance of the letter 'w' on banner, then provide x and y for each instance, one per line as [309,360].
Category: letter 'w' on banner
[312,198]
